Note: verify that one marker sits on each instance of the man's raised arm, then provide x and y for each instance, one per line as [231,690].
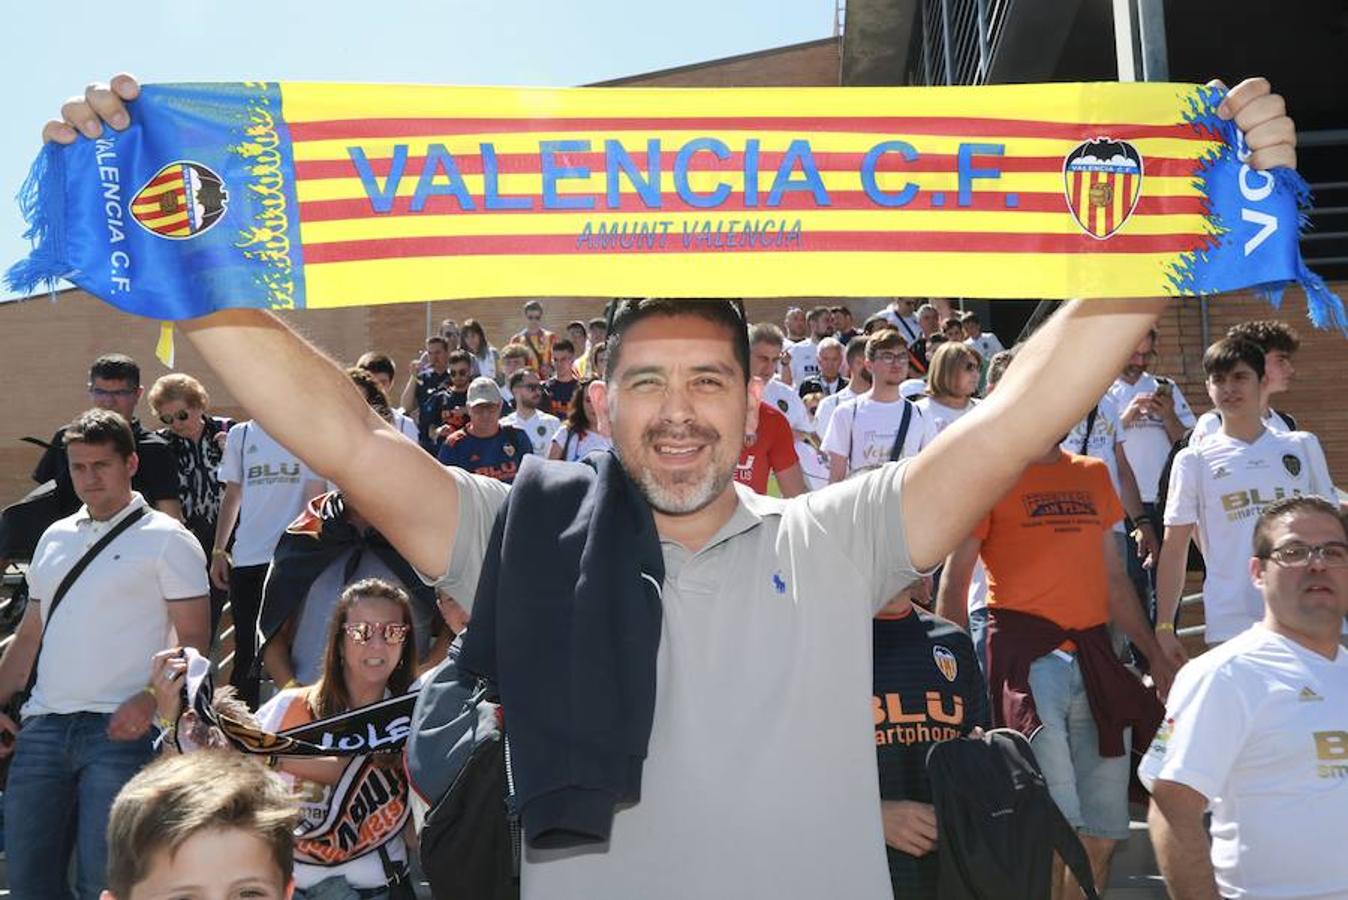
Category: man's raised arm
[301,398]
[1064,369]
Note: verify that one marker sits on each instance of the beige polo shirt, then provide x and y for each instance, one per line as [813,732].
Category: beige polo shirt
[97,651]
[761,779]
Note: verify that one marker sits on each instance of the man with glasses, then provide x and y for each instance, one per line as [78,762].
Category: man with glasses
[879,426]
[114,384]
[529,417]
[486,446]
[1256,731]
[1217,490]
[536,337]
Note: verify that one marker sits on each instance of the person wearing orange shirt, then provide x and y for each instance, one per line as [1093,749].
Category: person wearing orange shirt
[1056,580]
[536,337]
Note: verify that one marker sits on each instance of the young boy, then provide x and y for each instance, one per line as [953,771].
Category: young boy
[1217,489]
[211,825]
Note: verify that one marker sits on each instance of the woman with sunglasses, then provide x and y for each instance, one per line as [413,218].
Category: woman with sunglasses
[366,659]
[952,381]
[577,437]
[197,440]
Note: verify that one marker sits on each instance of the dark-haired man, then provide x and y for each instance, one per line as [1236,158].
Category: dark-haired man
[760,711]
[114,384]
[86,726]
[536,337]
[447,407]
[561,387]
[429,373]
[1256,731]
[1218,487]
[383,370]
[529,416]
[1280,342]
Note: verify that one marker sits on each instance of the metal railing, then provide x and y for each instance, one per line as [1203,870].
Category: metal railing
[957,41]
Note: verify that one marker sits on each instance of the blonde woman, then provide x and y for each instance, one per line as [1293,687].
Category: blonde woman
[952,381]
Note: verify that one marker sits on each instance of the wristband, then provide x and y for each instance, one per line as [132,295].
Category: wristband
[148,689]
[162,723]
[1165,626]
[219,553]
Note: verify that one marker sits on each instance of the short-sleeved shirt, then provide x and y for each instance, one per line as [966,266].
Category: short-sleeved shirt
[1043,542]
[1210,423]
[1259,726]
[773,450]
[942,416]
[156,475]
[1145,441]
[1106,433]
[761,774]
[804,360]
[1221,485]
[272,480]
[559,394]
[824,413]
[987,344]
[538,428]
[575,448]
[96,654]
[928,688]
[863,430]
[497,457]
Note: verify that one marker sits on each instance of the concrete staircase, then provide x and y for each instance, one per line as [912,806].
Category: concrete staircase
[1134,874]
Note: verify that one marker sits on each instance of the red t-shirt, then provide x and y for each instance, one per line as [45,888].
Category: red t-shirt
[773,450]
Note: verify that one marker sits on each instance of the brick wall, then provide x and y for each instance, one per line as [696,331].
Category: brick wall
[1315,399]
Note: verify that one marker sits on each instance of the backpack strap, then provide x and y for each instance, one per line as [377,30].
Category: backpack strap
[897,450]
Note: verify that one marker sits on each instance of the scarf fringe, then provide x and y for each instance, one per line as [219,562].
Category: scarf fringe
[42,205]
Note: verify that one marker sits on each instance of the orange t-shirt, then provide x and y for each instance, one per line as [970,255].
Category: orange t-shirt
[1043,543]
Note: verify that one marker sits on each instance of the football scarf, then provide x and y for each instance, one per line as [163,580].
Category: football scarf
[292,195]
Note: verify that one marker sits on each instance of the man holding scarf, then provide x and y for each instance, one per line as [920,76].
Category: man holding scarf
[760,776]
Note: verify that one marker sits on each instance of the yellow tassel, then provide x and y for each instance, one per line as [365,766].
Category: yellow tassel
[164,349]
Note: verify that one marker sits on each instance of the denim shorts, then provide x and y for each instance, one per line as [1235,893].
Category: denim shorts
[1091,790]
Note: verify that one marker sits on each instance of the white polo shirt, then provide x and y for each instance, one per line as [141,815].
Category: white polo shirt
[1259,726]
[761,775]
[96,654]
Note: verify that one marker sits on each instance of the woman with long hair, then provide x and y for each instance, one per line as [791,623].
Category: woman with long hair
[577,436]
[367,658]
[952,381]
[486,358]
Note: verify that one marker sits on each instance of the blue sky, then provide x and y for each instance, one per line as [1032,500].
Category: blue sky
[54,47]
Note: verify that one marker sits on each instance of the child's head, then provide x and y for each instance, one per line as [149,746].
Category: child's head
[211,824]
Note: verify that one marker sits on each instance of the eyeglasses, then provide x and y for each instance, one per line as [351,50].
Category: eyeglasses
[887,357]
[362,632]
[1333,555]
[105,394]
[181,415]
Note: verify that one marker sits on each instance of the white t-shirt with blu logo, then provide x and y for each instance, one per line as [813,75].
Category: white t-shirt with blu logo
[274,490]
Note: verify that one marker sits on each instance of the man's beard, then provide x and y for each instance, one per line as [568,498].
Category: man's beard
[685,496]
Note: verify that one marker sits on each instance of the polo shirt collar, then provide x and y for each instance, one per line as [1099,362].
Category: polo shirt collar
[137,501]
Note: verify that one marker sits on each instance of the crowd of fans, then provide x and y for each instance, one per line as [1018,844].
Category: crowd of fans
[1056,616]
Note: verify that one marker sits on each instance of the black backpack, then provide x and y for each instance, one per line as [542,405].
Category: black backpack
[458,763]
[999,827]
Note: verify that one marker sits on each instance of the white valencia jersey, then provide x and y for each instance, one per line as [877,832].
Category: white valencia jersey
[864,431]
[1221,486]
[804,360]
[788,402]
[1210,423]
[1259,726]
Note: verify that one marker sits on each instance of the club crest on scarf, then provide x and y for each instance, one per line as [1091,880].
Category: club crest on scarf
[181,200]
[1102,179]
[366,809]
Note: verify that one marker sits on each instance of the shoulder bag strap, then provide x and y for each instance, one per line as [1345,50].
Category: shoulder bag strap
[897,450]
[69,581]
[1090,426]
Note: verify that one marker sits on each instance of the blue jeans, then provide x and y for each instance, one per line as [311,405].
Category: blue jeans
[1090,789]
[65,775]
